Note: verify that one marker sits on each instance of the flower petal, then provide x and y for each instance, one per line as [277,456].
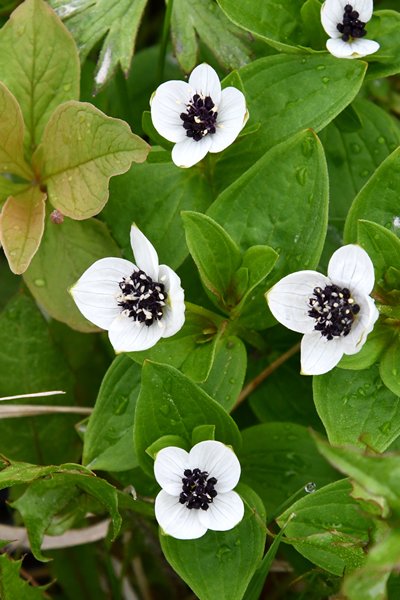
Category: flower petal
[319,355]
[169,101]
[96,291]
[176,519]
[205,81]
[355,49]
[127,335]
[224,513]
[219,461]
[231,119]
[288,299]
[332,14]
[169,466]
[189,152]
[174,312]
[363,325]
[351,267]
[145,254]
[364,8]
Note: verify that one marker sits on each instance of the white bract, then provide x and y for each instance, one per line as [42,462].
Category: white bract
[335,313]
[198,116]
[137,304]
[197,489]
[345,23]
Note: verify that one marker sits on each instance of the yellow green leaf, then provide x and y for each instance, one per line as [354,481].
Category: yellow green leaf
[12,136]
[81,149]
[39,64]
[21,227]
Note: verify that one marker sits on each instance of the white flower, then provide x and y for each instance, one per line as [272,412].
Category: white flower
[196,490]
[344,21]
[137,304]
[197,115]
[335,312]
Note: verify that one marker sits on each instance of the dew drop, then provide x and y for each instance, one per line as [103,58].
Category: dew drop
[223,551]
[364,173]
[310,487]
[121,406]
[395,372]
[381,139]
[321,68]
[325,80]
[301,175]
[39,282]
[232,380]
[66,87]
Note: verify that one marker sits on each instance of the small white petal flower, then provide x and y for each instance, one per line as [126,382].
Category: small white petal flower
[198,116]
[335,313]
[197,489]
[344,21]
[137,304]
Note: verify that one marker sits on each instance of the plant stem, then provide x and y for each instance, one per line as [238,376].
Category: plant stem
[164,40]
[254,383]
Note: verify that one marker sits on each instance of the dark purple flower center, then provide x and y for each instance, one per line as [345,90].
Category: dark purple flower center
[142,298]
[351,27]
[200,118]
[197,489]
[334,310]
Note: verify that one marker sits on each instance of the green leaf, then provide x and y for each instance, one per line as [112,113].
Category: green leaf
[39,64]
[115,21]
[382,245]
[165,442]
[221,563]
[203,18]
[280,28]
[12,586]
[287,94]
[46,498]
[216,255]
[203,433]
[76,246]
[353,156]
[175,406]
[21,227]
[294,224]
[378,475]
[108,443]
[384,184]
[383,28]
[31,362]
[369,582]
[329,529]
[389,367]
[192,349]
[80,150]
[314,33]
[15,473]
[9,188]
[12,130]
[278,459]
[226,376]
[378,340]
[257,263]
[158,193]
[356,408]
[284,396]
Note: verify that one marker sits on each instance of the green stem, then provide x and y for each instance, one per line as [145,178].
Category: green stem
[164,40]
